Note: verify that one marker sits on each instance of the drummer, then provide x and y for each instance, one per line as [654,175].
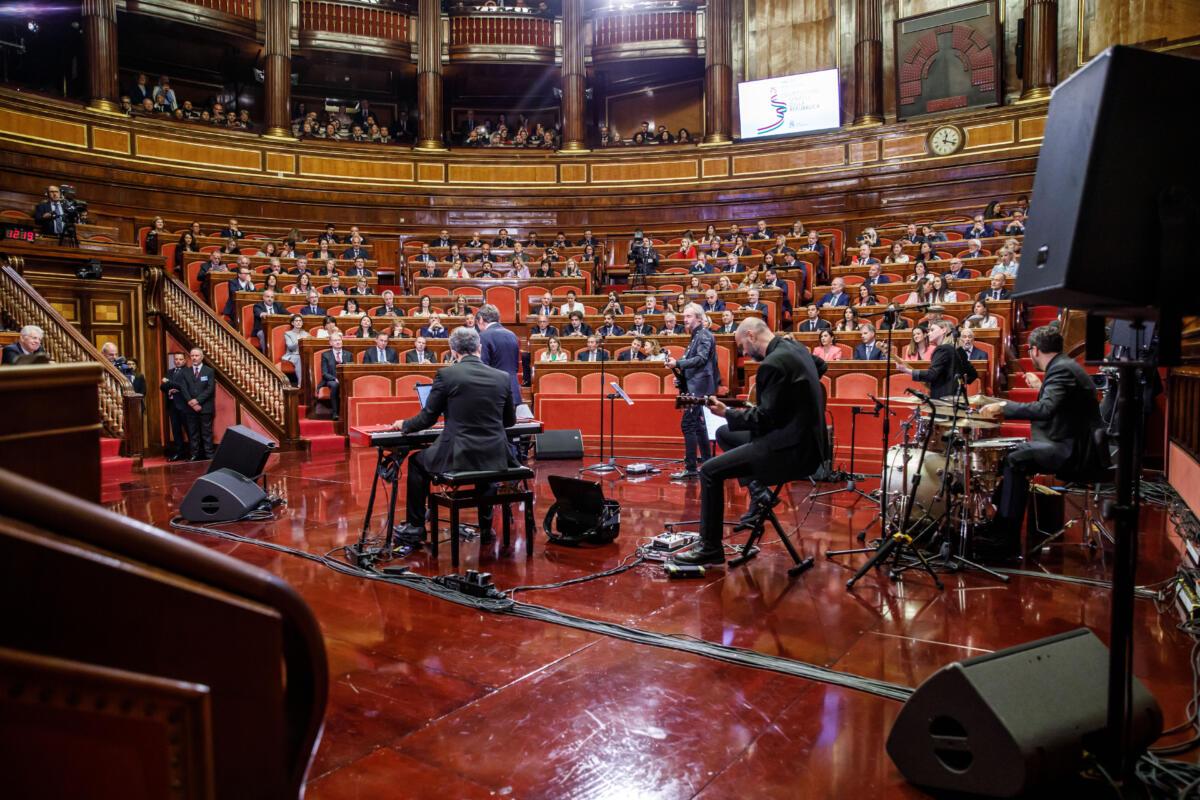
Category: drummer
[947,364]
[1065,419]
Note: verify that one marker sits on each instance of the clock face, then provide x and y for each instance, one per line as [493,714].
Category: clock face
[945,140]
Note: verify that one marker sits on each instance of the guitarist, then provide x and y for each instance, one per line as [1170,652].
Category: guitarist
[696,373]
[783,438]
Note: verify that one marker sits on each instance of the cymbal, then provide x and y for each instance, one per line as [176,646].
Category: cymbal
[983,400]
[976,424]
[904,400]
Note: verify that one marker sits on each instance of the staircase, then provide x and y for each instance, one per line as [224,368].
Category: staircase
[121,408]
[319,434]
[114,468]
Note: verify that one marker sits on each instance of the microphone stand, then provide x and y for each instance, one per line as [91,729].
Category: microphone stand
[604,466]
[853,477]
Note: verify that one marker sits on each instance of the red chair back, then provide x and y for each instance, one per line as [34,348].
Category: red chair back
[855,384]
[558,383]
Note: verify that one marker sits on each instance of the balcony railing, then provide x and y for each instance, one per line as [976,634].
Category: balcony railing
[246,9]
[508,31]
[651,26]
[354,20]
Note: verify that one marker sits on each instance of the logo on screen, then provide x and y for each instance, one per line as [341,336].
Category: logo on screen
[780,113]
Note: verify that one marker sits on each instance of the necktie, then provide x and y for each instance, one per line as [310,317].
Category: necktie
[197,372]
[58,223]
[337,356]
[382,356]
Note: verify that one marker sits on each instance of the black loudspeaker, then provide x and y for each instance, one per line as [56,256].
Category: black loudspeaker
[1115,147]
[558,445]
[1009,722]
[243,451]
[221,496]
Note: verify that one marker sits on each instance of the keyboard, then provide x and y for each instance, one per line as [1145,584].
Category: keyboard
[386,436]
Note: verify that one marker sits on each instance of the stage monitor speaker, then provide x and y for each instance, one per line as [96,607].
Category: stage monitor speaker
[558,445]
[243,451]
[1114,147]
[1013,721]
[221,496]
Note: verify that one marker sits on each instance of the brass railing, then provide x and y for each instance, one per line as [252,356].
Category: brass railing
[249,374]
[120,406]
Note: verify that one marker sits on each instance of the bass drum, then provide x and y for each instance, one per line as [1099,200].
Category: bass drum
[898,487]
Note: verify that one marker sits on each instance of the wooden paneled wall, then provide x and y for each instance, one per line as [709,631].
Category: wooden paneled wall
[1156,23]
[677,105]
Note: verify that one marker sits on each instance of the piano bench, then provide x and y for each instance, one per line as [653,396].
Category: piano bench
[458,490]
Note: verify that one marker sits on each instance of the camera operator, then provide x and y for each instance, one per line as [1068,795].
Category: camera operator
[643,259]
[109,351]
[49,212]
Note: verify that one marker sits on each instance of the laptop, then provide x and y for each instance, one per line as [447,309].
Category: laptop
[423,390]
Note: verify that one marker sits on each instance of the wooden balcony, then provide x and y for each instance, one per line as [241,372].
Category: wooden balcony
[236,17]
[354,28]
[655,32]
[504,37]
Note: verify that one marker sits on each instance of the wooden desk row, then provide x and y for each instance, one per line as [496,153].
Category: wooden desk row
[953,246]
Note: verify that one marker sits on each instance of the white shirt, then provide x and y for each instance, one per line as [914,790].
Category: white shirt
[567,308]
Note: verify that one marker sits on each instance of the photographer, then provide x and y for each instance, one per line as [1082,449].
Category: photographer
[49,212]
[109,351]
[643,259]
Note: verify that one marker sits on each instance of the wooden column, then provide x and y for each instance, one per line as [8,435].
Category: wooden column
[1040,62]
[574,77]
[429,75]
[100,46]
[718,72]
[278,52]
[868,62]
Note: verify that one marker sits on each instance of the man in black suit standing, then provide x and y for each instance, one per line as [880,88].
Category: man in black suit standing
[869,350]
[381,353]
[1064,418]
[197,384]
[477,402]
[176,407]
[947,365]
[500,349]
[420,353]
[49,213]
[783,438]
[700,376]
[330,360]
[29,344]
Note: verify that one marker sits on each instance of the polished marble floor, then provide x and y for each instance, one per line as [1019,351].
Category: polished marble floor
[431,699]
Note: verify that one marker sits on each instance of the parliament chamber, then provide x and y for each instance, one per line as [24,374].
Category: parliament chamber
[809,481]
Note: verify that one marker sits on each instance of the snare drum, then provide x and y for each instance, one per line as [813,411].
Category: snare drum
[987,456]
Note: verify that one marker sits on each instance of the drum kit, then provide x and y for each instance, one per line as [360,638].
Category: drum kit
[937,484]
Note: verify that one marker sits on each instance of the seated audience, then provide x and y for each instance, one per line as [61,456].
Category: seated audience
[828,348]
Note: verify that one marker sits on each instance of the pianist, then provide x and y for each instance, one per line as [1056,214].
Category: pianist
[477,403]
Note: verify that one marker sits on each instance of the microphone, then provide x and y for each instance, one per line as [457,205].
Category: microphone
[918,394]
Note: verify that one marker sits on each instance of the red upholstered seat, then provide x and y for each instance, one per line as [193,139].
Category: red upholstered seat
[558,383]
[406,385]
[589,383]
[372,386]
[561,291]
[434,291]
[855,384]
[899,382]
[853,280]
[642,383]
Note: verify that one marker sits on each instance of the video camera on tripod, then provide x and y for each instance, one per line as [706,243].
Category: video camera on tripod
[74,211]
[643,258]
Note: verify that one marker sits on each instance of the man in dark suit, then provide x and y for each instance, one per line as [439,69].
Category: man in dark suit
[420,353]
[140,91]
[633,352]
[244,283]
[643,258]
[357,253]
[477,402]
[957,271]
[543,327]
[214,264]
[753,303]
[546,307]
[610,327]
[814,245]
[947,364]
[869,350]
[443,239]
[503,239]
[640,327]
[29,344]
[996,290]
[313,307]
[232,231]
[335,285]
[727,323]
[330,360]
[712,302]
[670,326]
[330,234]
[381,353]
[1065,419]
[783,438]
[434,329]
[576,326]
[588,239]
[836,296]
[49,213]
[966,341]
[389,307]
[699,372]
[875,275]
[424,257]
[197,385]
[262,309]
[592,352]
[980,229]
[771,281]
[175,406]
[813,322]
[500,349]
